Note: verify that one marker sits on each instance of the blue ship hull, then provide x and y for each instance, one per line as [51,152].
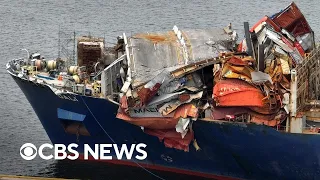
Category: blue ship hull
[228,150]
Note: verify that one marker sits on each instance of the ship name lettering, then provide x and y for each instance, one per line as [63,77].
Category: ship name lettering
[62,96]
[140,110]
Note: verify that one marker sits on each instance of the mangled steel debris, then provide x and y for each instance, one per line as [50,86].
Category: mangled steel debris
[177,77]
[152,53]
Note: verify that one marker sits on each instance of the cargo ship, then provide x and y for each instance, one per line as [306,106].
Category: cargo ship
[203,104]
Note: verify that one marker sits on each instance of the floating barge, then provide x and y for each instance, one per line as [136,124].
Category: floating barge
[204,104]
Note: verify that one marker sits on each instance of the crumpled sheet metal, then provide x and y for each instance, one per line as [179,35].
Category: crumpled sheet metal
[223,112]
[267,109]
[286,37]
[144,112]
[242,98]
[237,95]
[172,139]
[269,120]
[150,89]
[306,42]
[292,20]
[182,126]
[164,122]
[145,94]
[152,52]
[237,61]
[168,94]
[238,68]
[260,77]
[267,20]
[234,72]
[233,92]
[165,98]
[169,107]
[191,82]
[285,29]
[278,39]
[149,122]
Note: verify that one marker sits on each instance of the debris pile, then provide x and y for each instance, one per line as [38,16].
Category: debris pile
[174,79]
[278,44]
[167,88]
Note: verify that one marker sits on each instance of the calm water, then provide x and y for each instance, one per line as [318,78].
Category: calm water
[35,24]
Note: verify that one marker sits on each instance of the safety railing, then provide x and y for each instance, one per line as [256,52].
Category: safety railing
[308,74]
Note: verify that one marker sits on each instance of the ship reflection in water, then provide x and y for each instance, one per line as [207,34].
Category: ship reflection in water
[100,170]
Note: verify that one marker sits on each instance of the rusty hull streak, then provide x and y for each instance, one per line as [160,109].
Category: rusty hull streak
[158,38]
[240,124]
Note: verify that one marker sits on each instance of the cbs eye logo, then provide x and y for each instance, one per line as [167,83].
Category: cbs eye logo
[28,151]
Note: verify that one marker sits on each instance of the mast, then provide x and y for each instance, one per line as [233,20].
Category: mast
[59,43]
[74,47]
